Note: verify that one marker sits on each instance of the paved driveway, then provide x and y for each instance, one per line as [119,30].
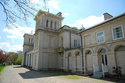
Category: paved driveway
[16,74]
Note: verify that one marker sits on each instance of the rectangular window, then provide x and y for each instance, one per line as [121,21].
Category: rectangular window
[100,37]
[117,33]
[29,40]
[75,43]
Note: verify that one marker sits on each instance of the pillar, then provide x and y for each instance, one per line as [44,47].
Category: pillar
[31,61]
[84,60]
[26,60]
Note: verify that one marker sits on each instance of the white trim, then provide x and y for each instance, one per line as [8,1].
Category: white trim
[97,37]
[122,32]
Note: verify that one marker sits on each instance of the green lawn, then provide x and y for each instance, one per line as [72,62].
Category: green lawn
[61,75]
[1,68]
[70,76]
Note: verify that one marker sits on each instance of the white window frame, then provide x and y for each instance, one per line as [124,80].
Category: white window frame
[97,37]
[113,32]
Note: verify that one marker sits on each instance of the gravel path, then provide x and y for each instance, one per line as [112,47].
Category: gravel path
[16,74]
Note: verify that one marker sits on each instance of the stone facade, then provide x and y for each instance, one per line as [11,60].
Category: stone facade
[100,48]
[49,47]
[104,46]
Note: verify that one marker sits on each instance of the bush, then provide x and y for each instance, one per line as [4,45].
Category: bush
[19,60]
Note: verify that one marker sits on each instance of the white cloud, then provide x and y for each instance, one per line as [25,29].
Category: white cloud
[11,36]
[15,48]
[33,2]
[17,31]
[0,37]
[7,47]
[87,22]
[5,44]
[66,14]
[53,4]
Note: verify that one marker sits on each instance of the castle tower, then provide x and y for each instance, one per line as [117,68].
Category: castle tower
[46,39]
[45,20]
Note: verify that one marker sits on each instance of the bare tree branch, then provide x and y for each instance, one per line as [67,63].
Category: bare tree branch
[17,9]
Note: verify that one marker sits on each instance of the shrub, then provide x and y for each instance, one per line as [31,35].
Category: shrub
[19,60]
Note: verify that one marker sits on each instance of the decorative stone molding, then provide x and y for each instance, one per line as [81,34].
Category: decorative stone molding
[116,45]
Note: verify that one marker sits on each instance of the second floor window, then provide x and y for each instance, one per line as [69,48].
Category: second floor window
[51,24]
[47,23]
[117,33]
[75,43]
[55,25]
[100,37]
[30,40]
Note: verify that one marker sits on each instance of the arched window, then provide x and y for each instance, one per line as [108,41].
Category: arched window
[51,24]
[55,25]
[102,50]
[47,23]
[88,52]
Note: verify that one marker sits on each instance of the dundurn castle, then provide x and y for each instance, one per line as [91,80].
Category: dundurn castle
[98,50]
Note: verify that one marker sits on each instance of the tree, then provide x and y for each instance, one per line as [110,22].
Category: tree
[3,56]
[16,9]
[12,57]
[19,59]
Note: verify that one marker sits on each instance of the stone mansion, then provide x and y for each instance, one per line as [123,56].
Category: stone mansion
[100,48]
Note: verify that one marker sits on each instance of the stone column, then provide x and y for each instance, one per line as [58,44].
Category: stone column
[26,60]
[85,67]
[31,60]
[95,62]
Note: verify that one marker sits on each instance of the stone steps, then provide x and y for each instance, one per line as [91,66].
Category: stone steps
[98,75]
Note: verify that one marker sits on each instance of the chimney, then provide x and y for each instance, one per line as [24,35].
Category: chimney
[59,14]
[107,16]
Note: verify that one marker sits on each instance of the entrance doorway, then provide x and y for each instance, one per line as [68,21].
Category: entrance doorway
[104,63]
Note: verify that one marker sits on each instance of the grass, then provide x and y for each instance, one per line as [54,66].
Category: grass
[1,68]
[61,75]
[70,76]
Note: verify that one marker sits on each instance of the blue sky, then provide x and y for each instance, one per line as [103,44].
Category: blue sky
[75,12]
